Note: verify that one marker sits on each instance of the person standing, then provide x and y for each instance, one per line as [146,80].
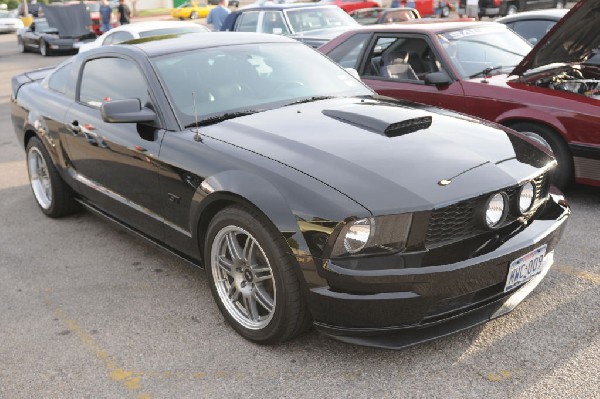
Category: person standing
[124,12]
[472,8]
[217,15]
[105,14]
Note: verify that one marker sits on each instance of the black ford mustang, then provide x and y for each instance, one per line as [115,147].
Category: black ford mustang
[305,196]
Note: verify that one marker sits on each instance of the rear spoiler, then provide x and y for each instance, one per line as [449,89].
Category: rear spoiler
[28,77]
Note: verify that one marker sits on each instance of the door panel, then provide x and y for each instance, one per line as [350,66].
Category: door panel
[116,163]
[117,168]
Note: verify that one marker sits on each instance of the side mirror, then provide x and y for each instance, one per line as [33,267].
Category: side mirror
[437,79]
[126,111]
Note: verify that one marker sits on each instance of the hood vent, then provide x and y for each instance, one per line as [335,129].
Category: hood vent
[387,120]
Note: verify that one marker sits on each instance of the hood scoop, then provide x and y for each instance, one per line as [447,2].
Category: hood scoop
[384,119]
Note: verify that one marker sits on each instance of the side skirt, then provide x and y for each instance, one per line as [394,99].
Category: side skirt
[155,242]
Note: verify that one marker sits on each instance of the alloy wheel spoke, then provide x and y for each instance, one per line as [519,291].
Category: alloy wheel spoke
[262,274]
[234,247]
[225,264]
[263,298]
[233,293]
[250,251]
[251,309]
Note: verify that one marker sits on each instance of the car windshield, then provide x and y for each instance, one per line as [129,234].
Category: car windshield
[481,50]
[173,31]
[210,83]
[41,25]
[313,18]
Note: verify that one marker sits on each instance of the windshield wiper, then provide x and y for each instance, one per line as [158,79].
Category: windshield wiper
[309,100]
[486,71]
[220,118]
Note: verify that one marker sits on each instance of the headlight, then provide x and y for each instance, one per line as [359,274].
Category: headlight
[368,236]
[526,197]
[495,210]
[357,235]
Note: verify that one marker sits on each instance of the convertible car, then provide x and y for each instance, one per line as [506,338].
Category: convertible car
[486,70]
[59,32]
[306,197]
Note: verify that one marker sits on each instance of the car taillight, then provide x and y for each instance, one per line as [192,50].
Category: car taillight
[497,3]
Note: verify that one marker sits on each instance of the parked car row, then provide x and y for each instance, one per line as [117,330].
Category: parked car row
[308,197]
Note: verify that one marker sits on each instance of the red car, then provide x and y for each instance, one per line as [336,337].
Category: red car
[351,5]
[93,8]
[428,8]
[486,70]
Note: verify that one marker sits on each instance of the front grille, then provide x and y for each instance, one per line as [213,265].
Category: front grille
[458,221]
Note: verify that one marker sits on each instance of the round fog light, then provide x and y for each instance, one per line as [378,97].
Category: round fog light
[526,197]
[357,235]
[495,210]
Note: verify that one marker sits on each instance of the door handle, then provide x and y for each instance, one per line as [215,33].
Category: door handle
[74,127]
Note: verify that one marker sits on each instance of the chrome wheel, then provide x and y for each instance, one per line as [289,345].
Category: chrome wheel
[39,178]
[43,48]
[21,45]
[243,277]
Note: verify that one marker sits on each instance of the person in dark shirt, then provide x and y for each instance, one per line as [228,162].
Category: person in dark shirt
[124,12]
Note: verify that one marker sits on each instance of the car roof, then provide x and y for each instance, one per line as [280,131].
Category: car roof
[426,25]
[552,14]
[161,45]
[143,26]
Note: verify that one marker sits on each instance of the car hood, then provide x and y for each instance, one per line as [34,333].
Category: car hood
[572,40]
[70,20]
[386,155]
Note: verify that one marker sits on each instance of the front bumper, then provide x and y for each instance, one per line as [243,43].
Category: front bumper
[399,307]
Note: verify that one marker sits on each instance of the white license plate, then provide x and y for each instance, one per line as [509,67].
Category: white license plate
[525,268]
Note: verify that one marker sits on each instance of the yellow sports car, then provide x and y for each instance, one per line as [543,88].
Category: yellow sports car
[191,9]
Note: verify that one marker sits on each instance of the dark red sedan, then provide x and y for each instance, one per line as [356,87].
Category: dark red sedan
[486,70]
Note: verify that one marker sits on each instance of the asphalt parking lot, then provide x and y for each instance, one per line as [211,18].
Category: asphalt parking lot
[88,310]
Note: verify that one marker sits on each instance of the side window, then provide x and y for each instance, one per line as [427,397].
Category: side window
[117,37]
[247,22]
[124,81]
[273,23]
[532,31]
[59,78]
[402,58]
[347,53]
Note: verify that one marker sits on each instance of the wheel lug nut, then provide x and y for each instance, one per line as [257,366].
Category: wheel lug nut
[243,284]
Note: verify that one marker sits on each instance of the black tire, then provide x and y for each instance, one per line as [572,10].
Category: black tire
[289,316]
[44,50]
[562,176]
[21,45]
[61,200]
[445,12]
[194,15]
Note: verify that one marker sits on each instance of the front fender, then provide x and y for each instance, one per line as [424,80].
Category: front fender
[531,115]
[245,188]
